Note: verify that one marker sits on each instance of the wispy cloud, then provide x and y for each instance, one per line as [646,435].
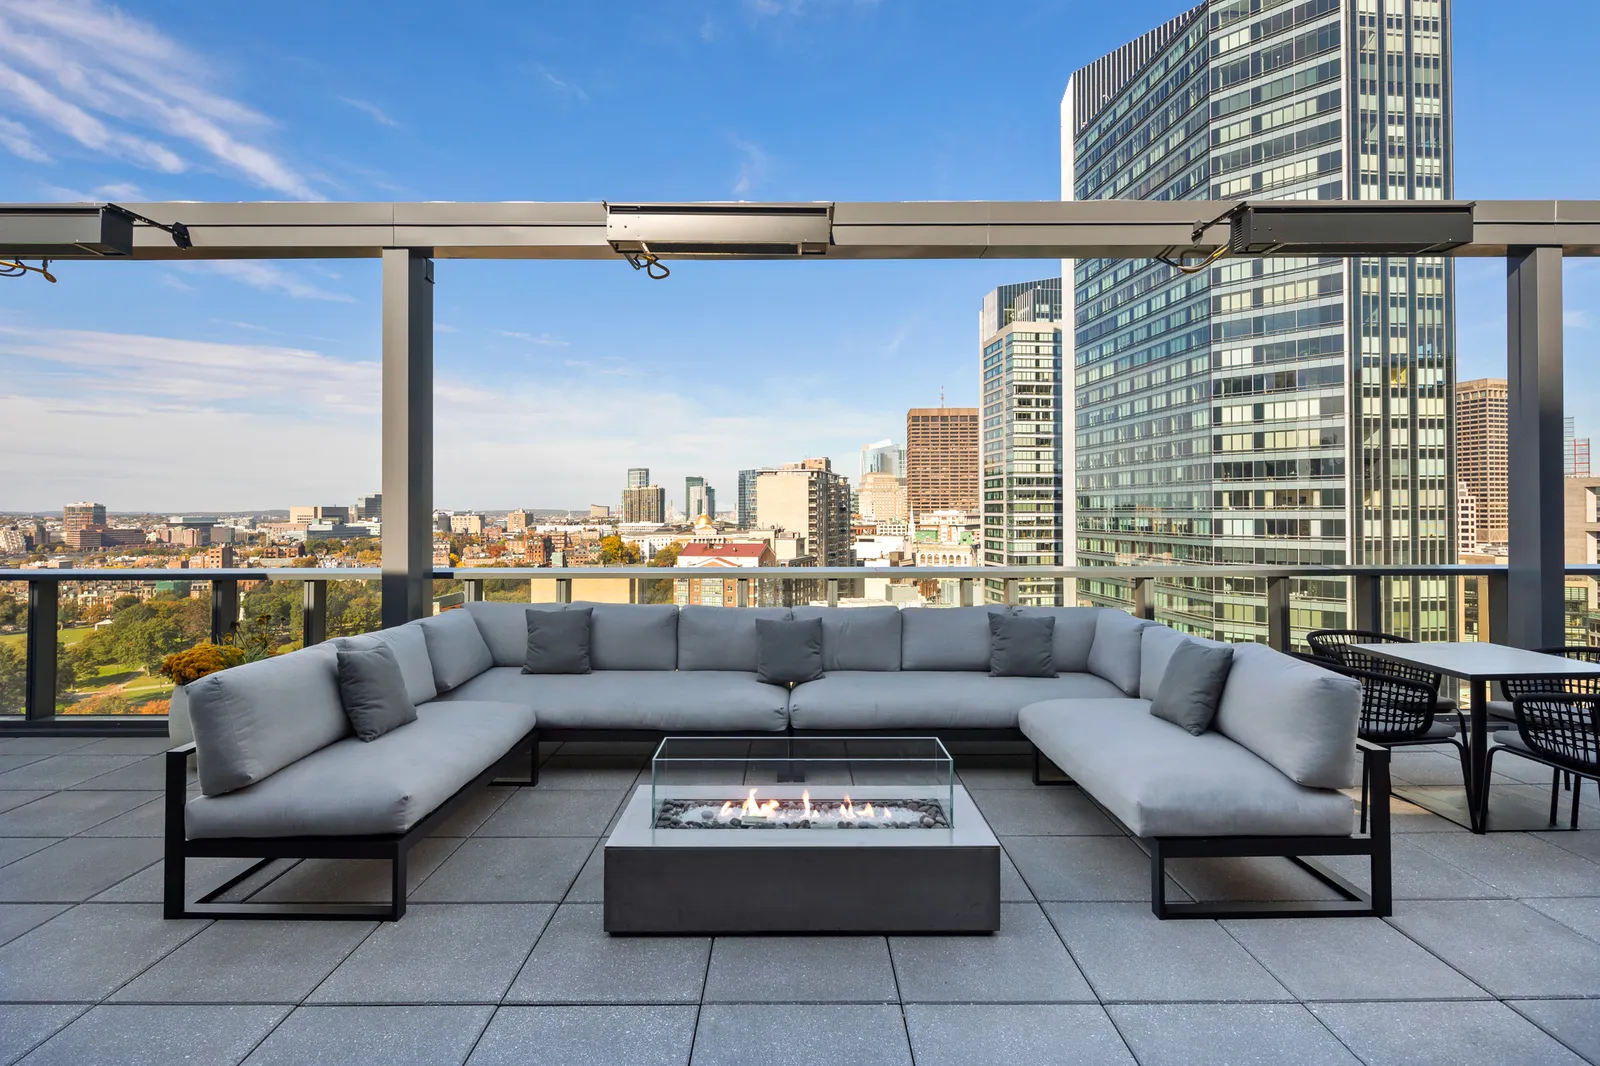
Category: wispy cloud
[1576,319]
[271,278]
[531,338]
[15,138]
[119,87]
[440,327]
[172,281]
[372,111]
[753,166]
[562,86]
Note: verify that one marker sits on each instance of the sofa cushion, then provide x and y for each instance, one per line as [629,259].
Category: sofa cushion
[253,720]
[857,638]
[457,649]
[410,649]
[504,627]
[1295,715]
[1192,686]
[721,638]
[387,786]
[788,650]
[1156,645]
[1161,782]
[1021,646]
[373,691]
[558,641]
[944,638]
[929,699]
[701,700]
[633,636]
[1074,636]
[1115,652]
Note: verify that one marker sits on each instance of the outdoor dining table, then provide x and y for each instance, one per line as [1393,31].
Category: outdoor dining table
[1478,664]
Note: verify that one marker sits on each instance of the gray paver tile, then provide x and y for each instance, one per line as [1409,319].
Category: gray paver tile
[439,953]
[1227,1034]
[1085,868]
[147,820]
[12,762]
[64,771]
[1349,958]
[14,848]
[202,875]
[1013,889]
[590,885]
[1010,1034]
[801,969]
[1581,914]
[1023,962]
[83,954]
[144,773]
[18,918]
[1510,949]
[1442,1034]
[1017,776]
[373,1036]
[507,870]
[1252,878]
[354,880]
[533,812]
[43,745]
[75,869]
[565,772]
[1518,864]
[1417,874]
[1574,1022]
[587,1036]
[62,814]
[126,746]
[472,814]
[159,1035]
[805,1035]
[1127,954]
[14,798]
[26,1025]
[575,961]
[1042,812]
[243,961]
[1579,843]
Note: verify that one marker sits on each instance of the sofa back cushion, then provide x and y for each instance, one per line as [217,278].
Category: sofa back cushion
[1115,652]
[410,649]
[721,638]
[1156,645]
[1074,637]
[857,638]
[944,638]
[633,636]
[504,628]
[1295,715]
[457,649]
[253,720]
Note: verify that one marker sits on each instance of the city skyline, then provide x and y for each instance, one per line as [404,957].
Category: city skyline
[108,374]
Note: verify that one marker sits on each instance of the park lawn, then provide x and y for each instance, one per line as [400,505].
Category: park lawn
[65,636]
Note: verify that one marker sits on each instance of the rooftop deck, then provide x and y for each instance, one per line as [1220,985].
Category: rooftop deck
[1492,956]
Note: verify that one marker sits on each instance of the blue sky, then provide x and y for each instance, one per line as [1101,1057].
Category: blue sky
[221,386]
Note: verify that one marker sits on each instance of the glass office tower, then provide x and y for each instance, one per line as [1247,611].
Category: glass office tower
[1288,412]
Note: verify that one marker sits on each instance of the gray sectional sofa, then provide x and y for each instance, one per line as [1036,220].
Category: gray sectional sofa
[280,774]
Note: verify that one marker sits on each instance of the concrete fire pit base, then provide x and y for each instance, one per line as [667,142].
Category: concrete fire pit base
[681,881]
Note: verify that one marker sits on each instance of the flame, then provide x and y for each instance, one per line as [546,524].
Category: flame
[866,812]
[749,804]
[727,810]
[805,799]
[847,809]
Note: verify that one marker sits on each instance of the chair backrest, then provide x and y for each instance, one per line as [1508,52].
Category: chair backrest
[1392,707]
[1339,646]
[1574,686]
[1563,729]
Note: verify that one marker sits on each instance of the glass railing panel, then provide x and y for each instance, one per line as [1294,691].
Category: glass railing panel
[13,648]
[115,637]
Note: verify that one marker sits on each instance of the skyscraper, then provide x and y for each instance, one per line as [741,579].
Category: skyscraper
[698,499]
[1023,507]
[1576,449]
[746,502]
[76,516]
[1273,411]
[644,503]
[883,457]
[942,459]
[810,499]
[1481,455]
[638,477]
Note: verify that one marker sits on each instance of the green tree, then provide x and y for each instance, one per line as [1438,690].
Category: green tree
[66,671]
[13,680]
[614,551]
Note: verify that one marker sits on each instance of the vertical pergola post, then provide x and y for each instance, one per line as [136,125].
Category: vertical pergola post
[407,434]
[1537,564]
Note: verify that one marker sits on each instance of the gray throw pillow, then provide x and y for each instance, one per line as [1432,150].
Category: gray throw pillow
[788,652]
[1021,645]
[558,641]
[1192,687]
[373,691]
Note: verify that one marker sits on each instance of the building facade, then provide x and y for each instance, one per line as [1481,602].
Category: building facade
[942,459]
[1481,455]
[644,503]
[698,499]
[638,477]
[883,457]
[1273,411]
[810,499]
[882,498]
[75,516]
[1022,451]
[745,506]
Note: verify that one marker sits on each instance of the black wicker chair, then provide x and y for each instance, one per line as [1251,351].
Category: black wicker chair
[1560,730]
[1537,686]
[1339,646]
[1399,712]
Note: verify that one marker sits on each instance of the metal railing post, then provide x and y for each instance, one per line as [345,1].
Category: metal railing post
[968,587]
[1278,635]
[563,590]
[1368,596]
[313,612]
[472,589]
[43,611]
[1012,585]
[742,592]
[787,585]
[1495,615]
[1144,598]
[224,606]
[833,592]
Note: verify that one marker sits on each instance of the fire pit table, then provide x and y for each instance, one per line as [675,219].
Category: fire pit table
[801,835]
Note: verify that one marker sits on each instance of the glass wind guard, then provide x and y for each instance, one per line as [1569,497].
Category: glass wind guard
[804,783]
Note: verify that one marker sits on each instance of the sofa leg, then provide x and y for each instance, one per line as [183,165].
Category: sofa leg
[1158,881]
[397,886]
[1038,772]
[533,761]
